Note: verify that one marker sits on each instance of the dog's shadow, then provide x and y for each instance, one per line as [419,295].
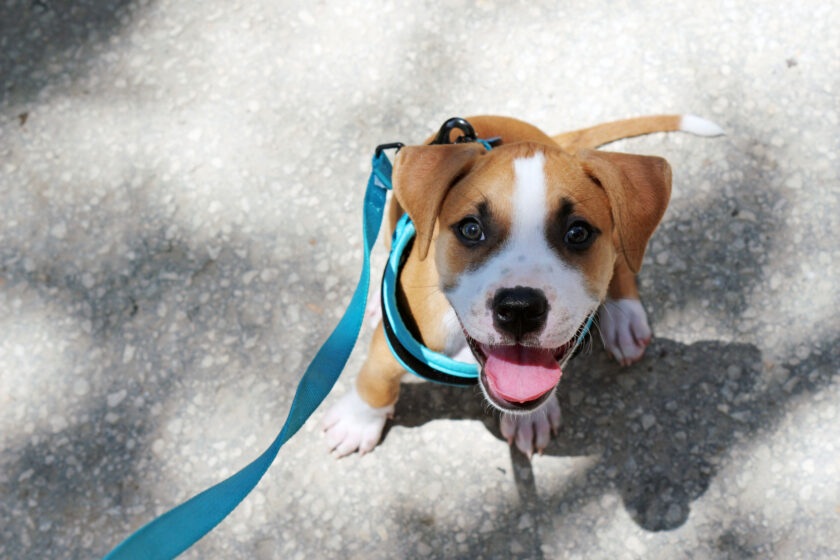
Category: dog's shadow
[657,428]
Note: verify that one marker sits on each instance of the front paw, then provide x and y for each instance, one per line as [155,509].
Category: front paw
[353,425]
[624,328]
[533,430]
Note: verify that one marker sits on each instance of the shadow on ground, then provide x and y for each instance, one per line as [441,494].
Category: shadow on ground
[48,42]
[657,429]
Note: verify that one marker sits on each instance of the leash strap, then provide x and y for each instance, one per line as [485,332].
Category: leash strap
[176,530]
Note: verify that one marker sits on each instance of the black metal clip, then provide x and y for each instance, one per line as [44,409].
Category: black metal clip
[466,128]
[382,147]
[459,123]
[442,137]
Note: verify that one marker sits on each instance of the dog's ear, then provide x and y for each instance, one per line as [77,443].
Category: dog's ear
[422,177]
[638,188]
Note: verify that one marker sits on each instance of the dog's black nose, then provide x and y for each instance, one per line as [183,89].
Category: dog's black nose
[519,311]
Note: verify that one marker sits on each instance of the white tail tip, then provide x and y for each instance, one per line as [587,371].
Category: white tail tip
[700,126]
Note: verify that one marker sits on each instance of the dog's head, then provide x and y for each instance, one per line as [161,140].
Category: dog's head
[526,239]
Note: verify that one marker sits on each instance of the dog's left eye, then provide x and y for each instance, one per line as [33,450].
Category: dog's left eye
[469,231]
[579,236]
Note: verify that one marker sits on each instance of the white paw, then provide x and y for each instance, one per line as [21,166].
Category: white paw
[532,431]
[353,425]
[624,329]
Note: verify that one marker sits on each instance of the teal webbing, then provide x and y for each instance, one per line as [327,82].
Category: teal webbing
[176,530]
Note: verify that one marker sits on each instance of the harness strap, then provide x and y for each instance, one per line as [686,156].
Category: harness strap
[410,352]
[176,530]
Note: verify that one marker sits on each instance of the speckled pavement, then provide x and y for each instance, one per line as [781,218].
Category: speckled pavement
[180,196]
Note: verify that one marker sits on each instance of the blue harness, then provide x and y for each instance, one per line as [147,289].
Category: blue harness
[176,530]
[410,353]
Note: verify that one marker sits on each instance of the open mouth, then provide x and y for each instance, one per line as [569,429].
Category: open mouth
[518,378]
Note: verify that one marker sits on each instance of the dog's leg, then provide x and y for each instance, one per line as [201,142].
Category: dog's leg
[532,431]
[355,422]
[623,321]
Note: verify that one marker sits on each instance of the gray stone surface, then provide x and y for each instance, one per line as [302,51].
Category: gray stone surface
[180,190]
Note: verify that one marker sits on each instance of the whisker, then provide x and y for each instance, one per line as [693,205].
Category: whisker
[597,324]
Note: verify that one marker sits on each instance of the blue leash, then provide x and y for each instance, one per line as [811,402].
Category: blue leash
[170,534]
[178,529]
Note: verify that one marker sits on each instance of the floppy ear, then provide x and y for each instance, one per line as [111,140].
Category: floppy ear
[638,188]
[423,175]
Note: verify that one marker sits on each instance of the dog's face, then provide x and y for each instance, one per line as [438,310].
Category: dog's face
[524,261]
[527,240]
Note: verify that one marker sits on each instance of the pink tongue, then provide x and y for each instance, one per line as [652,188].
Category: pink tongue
[521,374]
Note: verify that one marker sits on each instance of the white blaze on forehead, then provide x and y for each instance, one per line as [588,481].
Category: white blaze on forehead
[529,203]
[525,259]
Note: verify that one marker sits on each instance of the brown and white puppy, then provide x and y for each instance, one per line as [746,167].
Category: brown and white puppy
[516,247]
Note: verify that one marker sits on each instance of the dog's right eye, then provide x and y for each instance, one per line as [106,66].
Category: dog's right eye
[469,231]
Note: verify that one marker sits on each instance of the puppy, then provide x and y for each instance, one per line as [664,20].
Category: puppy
[515,249]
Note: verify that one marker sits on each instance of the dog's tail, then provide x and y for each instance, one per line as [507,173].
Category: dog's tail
[612,131]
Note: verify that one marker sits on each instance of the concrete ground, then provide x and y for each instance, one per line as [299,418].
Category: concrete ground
[180,196]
